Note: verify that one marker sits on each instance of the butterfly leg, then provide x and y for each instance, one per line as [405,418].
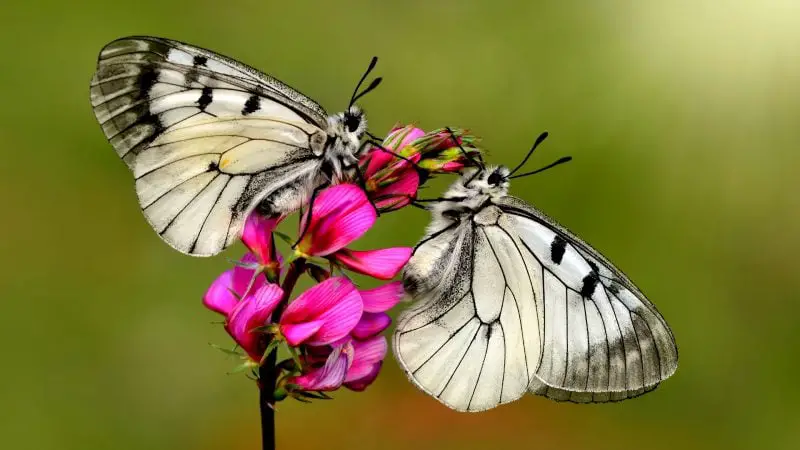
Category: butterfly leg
[314,193]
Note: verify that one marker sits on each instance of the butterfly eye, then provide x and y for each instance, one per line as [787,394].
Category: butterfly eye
[352,122]
[495,179]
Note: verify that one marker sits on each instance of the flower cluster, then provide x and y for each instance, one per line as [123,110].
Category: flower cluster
[332,329]
[330,334]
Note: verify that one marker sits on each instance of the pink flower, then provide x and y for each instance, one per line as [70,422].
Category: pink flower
[340,215]
[252,313]
[323,314]
[439,152]
[391,182]
[228,288]
[352,363]
[331,374]
[368,358]
[244,317]
[257,236]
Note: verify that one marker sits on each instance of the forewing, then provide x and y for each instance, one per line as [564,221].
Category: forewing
[471,339]
[205,136]
[602,339]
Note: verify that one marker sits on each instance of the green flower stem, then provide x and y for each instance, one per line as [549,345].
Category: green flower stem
[268,373]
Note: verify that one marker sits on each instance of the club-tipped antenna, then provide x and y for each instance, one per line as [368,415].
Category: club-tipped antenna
[371,86]
[559,162]
[466,155]
[539,140]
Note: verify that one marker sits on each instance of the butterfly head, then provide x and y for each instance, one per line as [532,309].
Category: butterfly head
[343,148]
[489,182]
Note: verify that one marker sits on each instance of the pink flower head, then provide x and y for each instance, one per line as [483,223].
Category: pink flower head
[340,215]
[323,314]
[368,358]
[244,317]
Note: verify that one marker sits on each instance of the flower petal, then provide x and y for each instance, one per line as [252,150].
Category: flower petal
[219,297]
[331,375]
[339,215]
[257,236]
[335,301]
[295,334]
[382,298]
[369,377]
[370,325]
[383,264]
[252,312]
[367,354]
[378,159]
[243,276]
[399,193]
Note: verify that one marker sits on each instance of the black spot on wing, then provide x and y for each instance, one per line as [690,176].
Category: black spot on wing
[594,267]
[146,81]
[252,105]
[557,248]
[589,284]
[212,166]
[199,61]
[205,98]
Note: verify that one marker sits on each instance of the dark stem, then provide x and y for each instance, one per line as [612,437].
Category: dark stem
[268,373]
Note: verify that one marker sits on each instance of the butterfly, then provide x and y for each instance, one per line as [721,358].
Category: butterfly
[507,301]
[210,139]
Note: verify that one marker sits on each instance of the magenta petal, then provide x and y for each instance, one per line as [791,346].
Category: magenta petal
[257,236]
[378,159]
[383,264]
[363,382]
[340,215]
[242,276]
[252,312]
[366,355]
[331,375]
[382,298]
[335,301]
[370,325]
[407,135]
[295,334]
[218,297]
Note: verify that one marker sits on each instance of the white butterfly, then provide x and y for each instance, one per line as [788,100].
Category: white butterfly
[209,139]
[507,301]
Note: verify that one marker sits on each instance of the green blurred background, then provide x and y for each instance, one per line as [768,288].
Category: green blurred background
[682,117]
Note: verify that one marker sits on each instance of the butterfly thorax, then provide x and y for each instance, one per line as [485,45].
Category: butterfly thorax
[343,147]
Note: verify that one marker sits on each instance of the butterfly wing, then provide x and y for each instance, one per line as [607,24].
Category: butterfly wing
[206,137]
[602,339]
[472,338]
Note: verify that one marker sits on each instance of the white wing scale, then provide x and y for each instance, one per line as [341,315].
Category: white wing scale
[206,137]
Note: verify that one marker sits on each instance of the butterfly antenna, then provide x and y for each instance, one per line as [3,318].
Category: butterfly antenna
[559,162]
[539,140]
[466,155]
[371,86]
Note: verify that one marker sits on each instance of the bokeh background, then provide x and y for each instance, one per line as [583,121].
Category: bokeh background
[682,117]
